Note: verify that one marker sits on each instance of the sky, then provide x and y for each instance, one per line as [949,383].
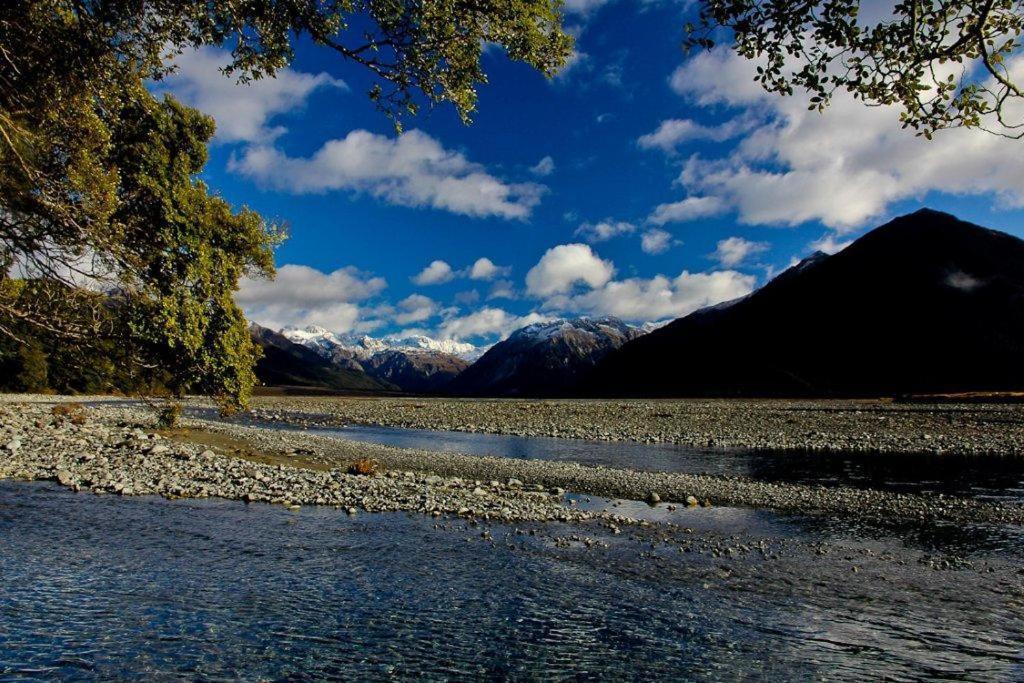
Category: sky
[640,182]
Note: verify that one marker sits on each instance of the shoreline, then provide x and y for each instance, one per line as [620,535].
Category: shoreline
[111,453]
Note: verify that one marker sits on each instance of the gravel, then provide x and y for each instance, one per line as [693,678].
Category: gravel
[781,425]
[116,451]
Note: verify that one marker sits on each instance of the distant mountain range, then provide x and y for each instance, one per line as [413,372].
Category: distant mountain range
[544,359]
[287,364]
[925,303]
[415,364]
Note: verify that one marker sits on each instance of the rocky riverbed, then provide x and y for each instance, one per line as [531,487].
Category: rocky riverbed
[779,425]
[114,449]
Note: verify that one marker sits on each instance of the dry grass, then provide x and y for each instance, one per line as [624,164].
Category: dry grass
[363,466]
[75,413]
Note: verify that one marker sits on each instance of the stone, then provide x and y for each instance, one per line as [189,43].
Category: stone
[653,498]
[692,501]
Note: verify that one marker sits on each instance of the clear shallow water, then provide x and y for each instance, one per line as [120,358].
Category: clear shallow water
[991,478]
[105,587]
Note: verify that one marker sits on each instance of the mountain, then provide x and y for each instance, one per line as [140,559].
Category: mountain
[417,363]
[544,359]
[285,363]
[925,303]
[415,370]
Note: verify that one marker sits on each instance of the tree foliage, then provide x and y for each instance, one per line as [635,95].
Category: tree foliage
[946,63]
[101,208]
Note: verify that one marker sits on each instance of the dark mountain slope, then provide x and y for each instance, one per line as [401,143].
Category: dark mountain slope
[285,363]
[924,303]
[420,372]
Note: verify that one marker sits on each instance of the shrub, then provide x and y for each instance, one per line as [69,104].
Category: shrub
[74,413]
[169,416]
[363,466]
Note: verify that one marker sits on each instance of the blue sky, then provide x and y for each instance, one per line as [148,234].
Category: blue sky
[640,183]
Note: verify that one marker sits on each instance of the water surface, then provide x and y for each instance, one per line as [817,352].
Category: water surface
[102,587]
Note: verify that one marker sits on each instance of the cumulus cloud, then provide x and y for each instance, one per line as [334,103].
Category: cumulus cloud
[415,308]
[544,167]
[486,322]
[604,230]
[733,251]
[242,110]
[638,299]
[844,167]
[301,295]
[485,269]
[412,170]
[438,272]
[655,241]
[687,209]
[565,266]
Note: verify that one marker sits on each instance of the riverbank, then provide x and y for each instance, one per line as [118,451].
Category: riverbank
[779,425]
[115,450]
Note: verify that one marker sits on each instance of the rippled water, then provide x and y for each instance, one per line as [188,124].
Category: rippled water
[106,587]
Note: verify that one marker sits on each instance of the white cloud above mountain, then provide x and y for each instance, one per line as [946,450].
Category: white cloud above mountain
[485,269]
[243,111]
[412,170]
[301,295]
[544,167]
[486,322]
[563,267]
[732,251]
[438,272]
[843,167]
[660,297]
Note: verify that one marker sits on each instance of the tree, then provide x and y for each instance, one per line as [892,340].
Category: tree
[98,188]
[945,63]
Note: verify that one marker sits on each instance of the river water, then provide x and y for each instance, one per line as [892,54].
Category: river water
[102,587]
[990,478]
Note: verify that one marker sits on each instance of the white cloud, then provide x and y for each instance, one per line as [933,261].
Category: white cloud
[604,231]
[242,110]
[301,295]
[411,170]
[544,167]
[673,132]
[438,272]
[687,209]
[486,322]
[733,251]
[563,267]
[829,244]
[485,269]
[655,241]
[583,7]
[843,167]
[415,308]
[638,299]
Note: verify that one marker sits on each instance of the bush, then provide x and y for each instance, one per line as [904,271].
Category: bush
[74,413]
[363,466]
[169,416]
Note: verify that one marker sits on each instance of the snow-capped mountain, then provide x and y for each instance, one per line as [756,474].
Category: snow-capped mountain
[415,363]
[545,358]
[364,347]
